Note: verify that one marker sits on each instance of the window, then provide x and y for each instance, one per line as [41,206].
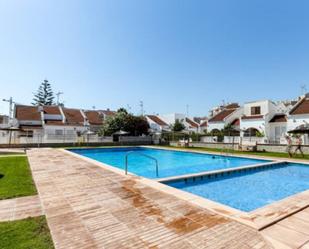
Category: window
[255,110]
[59,132]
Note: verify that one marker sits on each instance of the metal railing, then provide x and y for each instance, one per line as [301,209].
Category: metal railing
[142,154]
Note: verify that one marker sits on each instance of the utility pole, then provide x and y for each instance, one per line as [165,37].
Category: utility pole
[141,104]
[11,102]
[58,97]
[187,110]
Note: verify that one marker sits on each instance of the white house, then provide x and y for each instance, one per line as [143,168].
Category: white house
[190,124]
[230,114]
[156,124]
[277,128]
[299,115]
[55,123]
[264,120]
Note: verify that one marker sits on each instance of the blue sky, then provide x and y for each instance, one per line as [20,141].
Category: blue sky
[168,53]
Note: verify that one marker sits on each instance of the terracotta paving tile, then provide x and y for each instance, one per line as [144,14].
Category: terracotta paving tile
[285,235]
[88,206]
[20,208]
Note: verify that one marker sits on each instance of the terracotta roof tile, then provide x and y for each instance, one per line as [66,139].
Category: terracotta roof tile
[232,106]
[191,123]
[73,116]
[108,112]
[302,107]
[53,110]
[236,122]
[278,118]
[221,115]
[27,113]
[94,117]
[157,120]
[54,122]
[204,124]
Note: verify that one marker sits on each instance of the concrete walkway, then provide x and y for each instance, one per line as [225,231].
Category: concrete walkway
[20,208]
[90,207]
[292,232]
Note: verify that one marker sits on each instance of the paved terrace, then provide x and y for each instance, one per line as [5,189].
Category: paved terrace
[20,208]
[91,207]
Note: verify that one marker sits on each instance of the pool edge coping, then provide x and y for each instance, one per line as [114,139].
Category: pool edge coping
[246,218]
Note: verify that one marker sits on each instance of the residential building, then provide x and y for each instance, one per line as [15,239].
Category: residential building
[191,125]
[94,119]
[230,114]
[299,115]
[156,124]
[56,123]
[203,126]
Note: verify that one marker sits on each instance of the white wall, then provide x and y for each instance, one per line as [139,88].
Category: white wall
[258,124]
[297,120]
[264,104]
[171,118]
[277,131]
[215,125]
[156,127]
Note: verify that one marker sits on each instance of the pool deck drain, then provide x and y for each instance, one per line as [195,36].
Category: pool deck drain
[88,206]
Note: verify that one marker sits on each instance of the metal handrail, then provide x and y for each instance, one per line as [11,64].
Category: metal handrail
[131,152]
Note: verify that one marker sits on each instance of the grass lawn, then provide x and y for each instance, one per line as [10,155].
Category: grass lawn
[15,177]
[25,234]
[266,154]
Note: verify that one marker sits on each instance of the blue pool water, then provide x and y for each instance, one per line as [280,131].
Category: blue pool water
[171,163]
[251,190]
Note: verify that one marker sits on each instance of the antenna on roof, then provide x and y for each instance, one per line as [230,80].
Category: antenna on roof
[93,107]
[11,102]
[141,104]
[58,97]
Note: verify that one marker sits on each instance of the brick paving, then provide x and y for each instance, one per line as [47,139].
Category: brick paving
[20,208]
[87,206]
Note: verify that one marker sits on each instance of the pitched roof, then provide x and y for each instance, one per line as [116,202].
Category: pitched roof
[236,122]
[302,107]
[157,120]
[108,112]
[191,123]
[252,117]
[23,112]
[204,124]
[278,118]
[73,116]
[232,106]
[54,122]
[94,117]
[52,110]
[221,115]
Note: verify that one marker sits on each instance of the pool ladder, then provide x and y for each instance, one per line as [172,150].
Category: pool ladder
[142,154]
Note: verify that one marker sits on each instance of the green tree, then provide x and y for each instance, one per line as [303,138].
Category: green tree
[122,120]
[178,126]
[44,95]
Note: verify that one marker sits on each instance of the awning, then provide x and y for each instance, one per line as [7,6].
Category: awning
[302,129]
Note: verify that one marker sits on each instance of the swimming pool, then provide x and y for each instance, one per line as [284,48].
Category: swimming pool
[252,189]
[170,163]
